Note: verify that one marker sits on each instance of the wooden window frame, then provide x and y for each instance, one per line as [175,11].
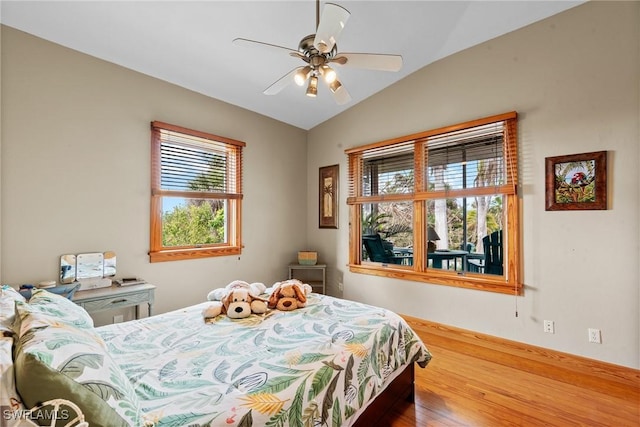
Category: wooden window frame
[233,197]
[509,282]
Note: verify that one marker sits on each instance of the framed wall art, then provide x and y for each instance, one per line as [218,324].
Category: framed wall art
[328,195]
[576,182]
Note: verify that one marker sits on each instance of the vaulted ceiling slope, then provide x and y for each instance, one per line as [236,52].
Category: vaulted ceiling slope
[190,43]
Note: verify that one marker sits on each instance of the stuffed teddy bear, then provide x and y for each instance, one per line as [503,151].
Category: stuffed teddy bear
[238,300]
[289,295]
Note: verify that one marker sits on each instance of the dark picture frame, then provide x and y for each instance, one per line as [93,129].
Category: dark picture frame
[328,196]
[576,182]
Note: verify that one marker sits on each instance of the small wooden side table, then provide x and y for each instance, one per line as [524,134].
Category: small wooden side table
[314,275]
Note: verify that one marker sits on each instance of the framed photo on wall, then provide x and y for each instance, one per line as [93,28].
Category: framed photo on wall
[576,182]
[328,196]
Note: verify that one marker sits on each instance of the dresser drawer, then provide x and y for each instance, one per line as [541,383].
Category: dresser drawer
[114,297]
[117,301]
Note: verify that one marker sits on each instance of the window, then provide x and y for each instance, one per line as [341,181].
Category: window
[440,206]
[196,194]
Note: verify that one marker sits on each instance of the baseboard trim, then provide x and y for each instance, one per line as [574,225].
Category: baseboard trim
[588,373]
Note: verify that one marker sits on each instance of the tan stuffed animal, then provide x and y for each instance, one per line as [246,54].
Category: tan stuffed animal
[289,295]
[238,303]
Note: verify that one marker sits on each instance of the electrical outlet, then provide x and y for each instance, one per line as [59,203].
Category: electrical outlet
[118,319]
[340,286]
[549,327]
[595,336]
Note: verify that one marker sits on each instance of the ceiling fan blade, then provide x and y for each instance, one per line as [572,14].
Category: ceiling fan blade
[340,95]
[371,61]
[332,21]
[262,45]
[282,82]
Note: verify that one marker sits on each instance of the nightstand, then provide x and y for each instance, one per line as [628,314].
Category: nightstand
[112,297]
[314,275]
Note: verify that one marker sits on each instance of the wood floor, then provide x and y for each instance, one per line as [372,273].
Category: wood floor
[467,386]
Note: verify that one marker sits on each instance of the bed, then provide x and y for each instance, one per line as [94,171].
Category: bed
[334,362]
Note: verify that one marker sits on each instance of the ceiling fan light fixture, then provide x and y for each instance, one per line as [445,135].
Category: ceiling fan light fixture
[319,50]
[312,89]
[335,85]
[329,74]
[302,75]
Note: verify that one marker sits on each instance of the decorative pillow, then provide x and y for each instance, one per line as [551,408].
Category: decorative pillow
[9,398]
[60,361]
[59,307]
[8,297]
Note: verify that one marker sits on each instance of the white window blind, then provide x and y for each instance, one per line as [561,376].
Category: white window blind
[195,164]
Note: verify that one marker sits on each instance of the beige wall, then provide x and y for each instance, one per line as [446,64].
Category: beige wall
[574,81]
[75,172]
[75,175]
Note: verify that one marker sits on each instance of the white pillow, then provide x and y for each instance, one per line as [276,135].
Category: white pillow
[8,297]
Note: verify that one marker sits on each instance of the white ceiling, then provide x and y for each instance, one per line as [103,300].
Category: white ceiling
[189,43]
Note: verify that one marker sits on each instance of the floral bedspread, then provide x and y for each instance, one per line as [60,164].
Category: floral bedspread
[319,365]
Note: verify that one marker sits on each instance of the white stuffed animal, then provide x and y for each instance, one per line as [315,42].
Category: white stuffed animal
[212,311]
[239,300]
[255,289]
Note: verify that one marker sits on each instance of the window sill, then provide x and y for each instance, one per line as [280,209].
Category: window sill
[192,253]
[467,280]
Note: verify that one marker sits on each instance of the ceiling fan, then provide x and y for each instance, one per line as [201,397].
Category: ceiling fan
[319,50]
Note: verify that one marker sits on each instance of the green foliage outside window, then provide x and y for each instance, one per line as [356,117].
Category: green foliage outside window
[196,223]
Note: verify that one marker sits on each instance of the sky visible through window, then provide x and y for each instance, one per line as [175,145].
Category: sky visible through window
[168,203]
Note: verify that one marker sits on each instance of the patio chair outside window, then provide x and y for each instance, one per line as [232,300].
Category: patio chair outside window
[376,251]
[491,262]
[493,253]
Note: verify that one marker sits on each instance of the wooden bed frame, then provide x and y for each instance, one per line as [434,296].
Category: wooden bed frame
[401,388]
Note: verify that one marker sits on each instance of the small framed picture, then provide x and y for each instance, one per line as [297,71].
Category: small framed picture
[576,182]
[328,195]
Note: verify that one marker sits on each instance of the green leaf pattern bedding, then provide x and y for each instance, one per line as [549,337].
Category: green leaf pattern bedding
[319,365]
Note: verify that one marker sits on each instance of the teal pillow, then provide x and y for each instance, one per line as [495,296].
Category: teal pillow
[56,360]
